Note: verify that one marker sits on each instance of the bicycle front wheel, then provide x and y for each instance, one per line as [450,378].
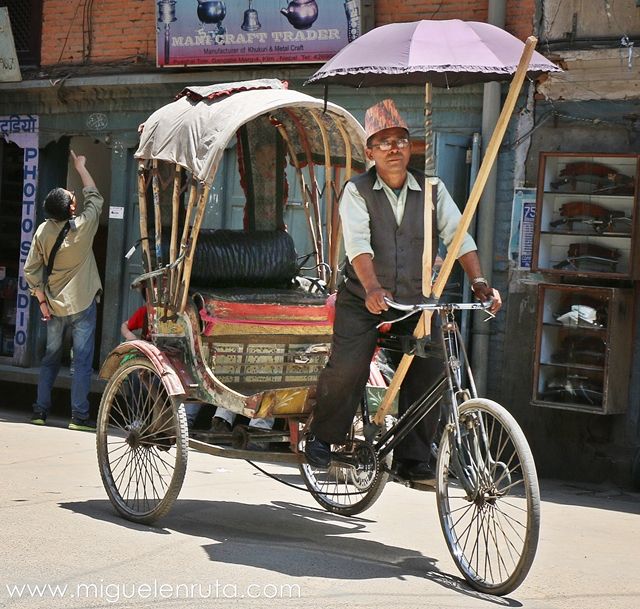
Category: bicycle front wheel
[488,497]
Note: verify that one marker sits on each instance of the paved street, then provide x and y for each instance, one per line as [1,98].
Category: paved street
[235,534]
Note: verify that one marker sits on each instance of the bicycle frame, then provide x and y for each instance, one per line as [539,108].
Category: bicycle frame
[451,384]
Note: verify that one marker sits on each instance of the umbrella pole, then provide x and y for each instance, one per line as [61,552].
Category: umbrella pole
[429,171]
[465,221]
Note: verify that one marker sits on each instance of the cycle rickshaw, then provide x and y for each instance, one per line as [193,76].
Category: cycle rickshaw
[235,322]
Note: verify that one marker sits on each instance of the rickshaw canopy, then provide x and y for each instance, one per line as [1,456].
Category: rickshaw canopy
[194,130]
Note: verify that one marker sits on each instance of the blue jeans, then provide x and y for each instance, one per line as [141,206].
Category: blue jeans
[83,331]
[192,409]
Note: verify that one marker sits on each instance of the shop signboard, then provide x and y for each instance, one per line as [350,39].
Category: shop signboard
[225,32]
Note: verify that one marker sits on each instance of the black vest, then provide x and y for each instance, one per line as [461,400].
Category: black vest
[398,249]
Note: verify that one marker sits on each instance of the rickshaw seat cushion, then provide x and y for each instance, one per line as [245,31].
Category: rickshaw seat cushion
[233,258]
[243,311]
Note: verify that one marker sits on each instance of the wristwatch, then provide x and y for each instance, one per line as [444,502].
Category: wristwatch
[478,280]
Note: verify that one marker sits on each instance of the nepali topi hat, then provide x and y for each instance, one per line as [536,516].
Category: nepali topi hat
[383,115]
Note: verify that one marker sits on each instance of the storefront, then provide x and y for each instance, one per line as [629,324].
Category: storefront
[572,324]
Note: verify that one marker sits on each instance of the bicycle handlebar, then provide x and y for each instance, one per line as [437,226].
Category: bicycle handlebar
[431,306]
[412,309]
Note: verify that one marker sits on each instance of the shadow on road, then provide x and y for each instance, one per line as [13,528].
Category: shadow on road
[605,496]
[291,539]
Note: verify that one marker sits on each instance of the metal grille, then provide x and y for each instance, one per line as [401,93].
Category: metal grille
[26,18]
[268,365]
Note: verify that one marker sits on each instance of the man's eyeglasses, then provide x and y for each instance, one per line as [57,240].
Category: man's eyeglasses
[387,145]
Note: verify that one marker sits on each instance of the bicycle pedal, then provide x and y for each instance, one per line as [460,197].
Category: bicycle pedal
[371,432]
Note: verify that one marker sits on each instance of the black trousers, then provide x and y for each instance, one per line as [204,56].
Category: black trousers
[342,383]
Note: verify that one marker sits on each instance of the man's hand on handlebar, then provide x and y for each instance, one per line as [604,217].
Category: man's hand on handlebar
[485,293]
[375,300]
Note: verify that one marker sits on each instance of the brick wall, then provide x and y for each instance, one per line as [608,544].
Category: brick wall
[122,31]
[125,30]
[519,16]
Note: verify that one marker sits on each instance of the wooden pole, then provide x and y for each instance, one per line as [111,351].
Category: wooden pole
[142,203]
[303,188]
[179,270]
[311,195]
[194,231]
[429,172]
[465,221]
[155,183]
[173,247]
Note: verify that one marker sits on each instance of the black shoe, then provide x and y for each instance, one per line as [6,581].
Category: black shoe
[39,418]
[415,470]
[82,424]
[317,452]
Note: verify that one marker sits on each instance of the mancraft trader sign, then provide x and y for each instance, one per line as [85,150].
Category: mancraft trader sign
[219,32]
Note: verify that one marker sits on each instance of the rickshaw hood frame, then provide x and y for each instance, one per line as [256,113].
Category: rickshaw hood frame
[194,133]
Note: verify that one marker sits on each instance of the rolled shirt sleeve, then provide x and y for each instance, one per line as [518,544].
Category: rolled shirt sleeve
[355,223]
[34,267]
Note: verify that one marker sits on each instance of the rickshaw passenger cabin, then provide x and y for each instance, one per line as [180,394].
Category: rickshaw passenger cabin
[229,301]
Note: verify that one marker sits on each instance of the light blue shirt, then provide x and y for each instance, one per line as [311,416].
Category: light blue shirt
[355,216]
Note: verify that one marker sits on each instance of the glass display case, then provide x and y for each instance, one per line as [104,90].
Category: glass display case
[583,348]
[586,215]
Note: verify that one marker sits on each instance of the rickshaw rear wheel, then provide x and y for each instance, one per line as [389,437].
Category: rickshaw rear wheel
[348,489]
[488,498]
[142,442]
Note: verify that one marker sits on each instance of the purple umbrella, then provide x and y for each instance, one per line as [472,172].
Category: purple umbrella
[444,53]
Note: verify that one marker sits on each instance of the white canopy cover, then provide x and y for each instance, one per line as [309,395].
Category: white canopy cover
[194,130]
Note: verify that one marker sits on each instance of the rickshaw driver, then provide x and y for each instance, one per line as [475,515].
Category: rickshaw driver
[382,218]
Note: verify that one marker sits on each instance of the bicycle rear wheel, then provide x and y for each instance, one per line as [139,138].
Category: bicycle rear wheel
[142,442]
[488,498]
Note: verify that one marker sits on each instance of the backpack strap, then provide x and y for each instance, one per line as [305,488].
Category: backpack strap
[56,246]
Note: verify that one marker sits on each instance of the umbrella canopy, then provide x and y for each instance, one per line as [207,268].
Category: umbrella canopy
[445,53]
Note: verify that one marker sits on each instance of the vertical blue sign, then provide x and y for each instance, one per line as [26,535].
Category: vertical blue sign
[23,131]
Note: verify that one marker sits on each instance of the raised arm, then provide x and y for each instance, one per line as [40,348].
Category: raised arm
[79,162]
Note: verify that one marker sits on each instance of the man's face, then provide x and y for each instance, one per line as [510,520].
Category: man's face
[396,158]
